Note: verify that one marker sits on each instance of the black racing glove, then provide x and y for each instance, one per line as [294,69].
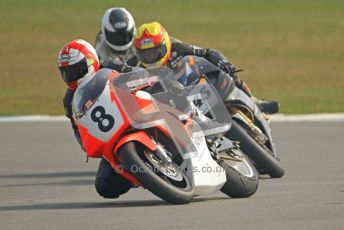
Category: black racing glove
[227,67]
[118,65]
[218,59]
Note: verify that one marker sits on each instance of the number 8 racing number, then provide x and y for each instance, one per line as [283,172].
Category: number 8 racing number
[105,121]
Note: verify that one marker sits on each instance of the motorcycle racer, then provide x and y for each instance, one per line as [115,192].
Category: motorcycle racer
[78,61]
[114,42]
[156,48]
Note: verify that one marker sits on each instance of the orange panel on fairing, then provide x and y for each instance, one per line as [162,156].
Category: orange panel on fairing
[92,145]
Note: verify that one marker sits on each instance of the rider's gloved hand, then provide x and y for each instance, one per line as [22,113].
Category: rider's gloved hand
[219,60]
[126,69]
[118,65]
[227,67]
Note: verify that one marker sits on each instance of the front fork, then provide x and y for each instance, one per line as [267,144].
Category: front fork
[246,117]
[253,130]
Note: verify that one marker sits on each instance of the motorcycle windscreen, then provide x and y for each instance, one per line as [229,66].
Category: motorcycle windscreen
[88,92]
[191,69]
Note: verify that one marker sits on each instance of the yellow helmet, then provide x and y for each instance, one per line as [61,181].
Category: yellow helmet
[153,44]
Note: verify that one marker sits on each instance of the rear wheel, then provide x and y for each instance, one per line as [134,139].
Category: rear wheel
[162,178]
[242,176]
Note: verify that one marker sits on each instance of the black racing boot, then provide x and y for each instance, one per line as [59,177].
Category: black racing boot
[269,107]
[109,183]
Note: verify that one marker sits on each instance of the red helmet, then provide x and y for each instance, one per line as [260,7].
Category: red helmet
[77,60]
[153,44]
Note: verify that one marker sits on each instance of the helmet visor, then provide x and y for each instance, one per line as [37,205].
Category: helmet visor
[74,72]
[119,38]
[152,55]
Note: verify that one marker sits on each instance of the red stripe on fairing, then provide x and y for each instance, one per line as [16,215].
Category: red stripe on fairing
[140,137]
[92,145]
[96,149]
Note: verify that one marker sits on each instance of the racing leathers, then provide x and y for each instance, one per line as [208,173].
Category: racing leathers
[108,183]
[67,105]
[106,53]
[180,49]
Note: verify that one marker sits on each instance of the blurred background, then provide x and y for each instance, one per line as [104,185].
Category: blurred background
[290,50]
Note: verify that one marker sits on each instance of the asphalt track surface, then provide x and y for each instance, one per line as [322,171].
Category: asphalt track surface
[45,184]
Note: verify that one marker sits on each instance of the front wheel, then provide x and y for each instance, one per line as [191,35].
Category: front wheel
[242,177]
[163,179]
[262,157]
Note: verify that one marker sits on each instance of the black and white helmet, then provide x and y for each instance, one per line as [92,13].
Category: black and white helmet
[118,28]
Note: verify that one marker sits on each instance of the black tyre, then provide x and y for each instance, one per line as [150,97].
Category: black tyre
[175,189]
[242,178]
[262,157]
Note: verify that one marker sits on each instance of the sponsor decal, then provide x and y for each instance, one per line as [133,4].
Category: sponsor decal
[88,104]
[147,42]
[120,25]
[65,58]
[223,84]
[71,57]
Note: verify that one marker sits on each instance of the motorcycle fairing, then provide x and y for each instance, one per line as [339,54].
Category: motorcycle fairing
[206,175]
[98,116]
